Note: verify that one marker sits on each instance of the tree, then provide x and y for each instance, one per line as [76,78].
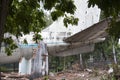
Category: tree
[111,9]
[106,48]
[18,17]
[23,16]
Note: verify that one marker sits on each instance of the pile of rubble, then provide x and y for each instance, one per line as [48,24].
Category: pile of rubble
[87,74]
[68,75]
[13,76]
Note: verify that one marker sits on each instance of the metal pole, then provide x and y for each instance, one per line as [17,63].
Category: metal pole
[81,63]
[64,64]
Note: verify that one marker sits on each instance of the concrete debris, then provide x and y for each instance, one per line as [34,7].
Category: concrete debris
[12,75]
[110,70]
[51,74]
[89,70]
[63,75]
[75,75]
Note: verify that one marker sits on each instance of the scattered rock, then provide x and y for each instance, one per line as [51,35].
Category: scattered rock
[51,74]
[110,70]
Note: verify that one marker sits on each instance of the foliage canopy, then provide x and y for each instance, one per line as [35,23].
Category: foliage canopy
[111,9]
[19,17]
[25,16]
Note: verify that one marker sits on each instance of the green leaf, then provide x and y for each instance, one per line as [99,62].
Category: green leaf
[56,14]
[25,41]
[37,37]
[70,20]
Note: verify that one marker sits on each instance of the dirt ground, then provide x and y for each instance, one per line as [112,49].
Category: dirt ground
[77,75]
[87,74]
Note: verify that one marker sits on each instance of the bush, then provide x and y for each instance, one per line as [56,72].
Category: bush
[3,69]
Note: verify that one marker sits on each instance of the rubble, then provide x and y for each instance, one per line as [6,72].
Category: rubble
[63,75]
[76,75]
[12,75]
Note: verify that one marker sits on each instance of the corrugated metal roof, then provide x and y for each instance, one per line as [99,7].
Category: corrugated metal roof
[97,30]
[83,41]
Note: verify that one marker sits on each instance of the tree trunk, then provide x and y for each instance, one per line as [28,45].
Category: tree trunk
[113,49]
[4,5]
[115,60]
[103,54]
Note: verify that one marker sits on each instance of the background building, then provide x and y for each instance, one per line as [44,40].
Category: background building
[56,32]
